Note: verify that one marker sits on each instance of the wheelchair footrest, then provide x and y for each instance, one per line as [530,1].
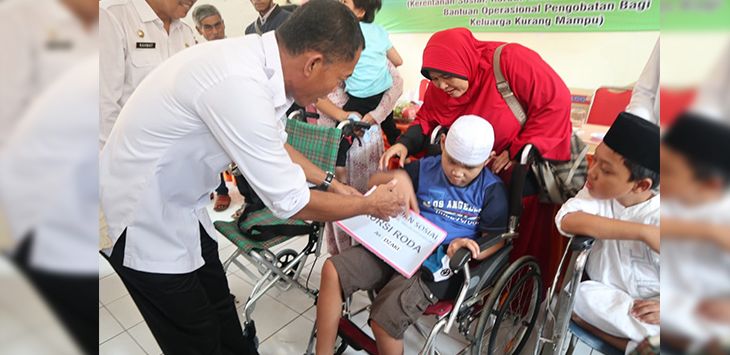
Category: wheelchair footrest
[355,337]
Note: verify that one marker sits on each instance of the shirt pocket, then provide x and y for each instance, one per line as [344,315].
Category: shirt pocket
[145,57]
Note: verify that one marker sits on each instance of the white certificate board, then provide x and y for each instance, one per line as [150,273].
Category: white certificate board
[403,242]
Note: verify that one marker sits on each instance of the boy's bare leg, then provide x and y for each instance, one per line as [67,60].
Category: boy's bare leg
[616,342]
[387,345]
[329,309]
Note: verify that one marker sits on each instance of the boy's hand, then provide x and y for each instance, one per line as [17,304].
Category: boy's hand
[646,311]
[715,309]
[386,201]
[459,243]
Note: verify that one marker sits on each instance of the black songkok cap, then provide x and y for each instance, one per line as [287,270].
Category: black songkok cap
[636,139]
[701,139]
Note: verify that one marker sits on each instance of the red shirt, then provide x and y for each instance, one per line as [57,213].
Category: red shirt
[542,93]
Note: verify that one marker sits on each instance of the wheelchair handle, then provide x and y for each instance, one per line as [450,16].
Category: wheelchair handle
[349,126]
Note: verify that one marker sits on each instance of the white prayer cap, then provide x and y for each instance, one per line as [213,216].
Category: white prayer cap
[470,140]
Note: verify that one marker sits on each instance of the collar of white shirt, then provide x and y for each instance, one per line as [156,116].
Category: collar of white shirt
[273,67]
[267,14]
[146,14]
[144,10]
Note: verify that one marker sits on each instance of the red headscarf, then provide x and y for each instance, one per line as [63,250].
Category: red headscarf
[543,94]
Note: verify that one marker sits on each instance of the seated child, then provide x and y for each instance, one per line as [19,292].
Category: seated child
[620,208]
[369,80]
[696,232]
[453,191]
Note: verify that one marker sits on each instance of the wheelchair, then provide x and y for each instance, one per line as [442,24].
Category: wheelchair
[257,231]
[558,334]
[497,305]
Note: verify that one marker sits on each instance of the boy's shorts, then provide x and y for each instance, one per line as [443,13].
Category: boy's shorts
[399,301]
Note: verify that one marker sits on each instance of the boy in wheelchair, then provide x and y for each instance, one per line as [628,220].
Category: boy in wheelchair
[619,207]
[456,193]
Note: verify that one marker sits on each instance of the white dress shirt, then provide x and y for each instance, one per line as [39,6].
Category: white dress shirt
[49,174]
[214,103]
[620,271]
[133,42]
[645,97]
[42,40]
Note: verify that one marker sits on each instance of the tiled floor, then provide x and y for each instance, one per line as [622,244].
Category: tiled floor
[123,331]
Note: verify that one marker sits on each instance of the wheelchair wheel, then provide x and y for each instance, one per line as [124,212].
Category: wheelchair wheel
[511,310]
[284,258]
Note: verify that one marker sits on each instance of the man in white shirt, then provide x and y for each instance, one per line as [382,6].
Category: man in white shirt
[54,237]
[136,36]
[55,35]
[219,102]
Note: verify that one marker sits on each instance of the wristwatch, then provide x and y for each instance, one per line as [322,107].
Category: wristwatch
[325,185]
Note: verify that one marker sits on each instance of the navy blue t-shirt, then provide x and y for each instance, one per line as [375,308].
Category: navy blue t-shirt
[463,212]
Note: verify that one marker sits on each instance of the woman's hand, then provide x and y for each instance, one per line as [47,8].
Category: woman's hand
[368,118]
[500,162]
[398,150]
[646,311]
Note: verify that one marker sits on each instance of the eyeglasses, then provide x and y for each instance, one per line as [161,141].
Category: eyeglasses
[216,26]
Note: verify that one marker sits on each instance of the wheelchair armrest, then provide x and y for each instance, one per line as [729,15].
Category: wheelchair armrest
[463,255]
[581,243]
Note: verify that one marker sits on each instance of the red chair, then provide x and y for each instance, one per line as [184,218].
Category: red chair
[674,101]
[607,103]
[422,89]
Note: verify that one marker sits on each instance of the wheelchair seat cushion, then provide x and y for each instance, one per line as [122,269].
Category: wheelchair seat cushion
[262,217]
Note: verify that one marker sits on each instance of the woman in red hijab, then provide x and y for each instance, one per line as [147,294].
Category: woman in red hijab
[463,83]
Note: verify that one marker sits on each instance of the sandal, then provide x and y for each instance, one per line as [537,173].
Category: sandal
[222,203]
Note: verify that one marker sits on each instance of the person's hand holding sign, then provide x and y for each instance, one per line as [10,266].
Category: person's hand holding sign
[386,201]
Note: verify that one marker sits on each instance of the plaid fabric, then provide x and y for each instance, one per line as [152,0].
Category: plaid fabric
[319,144]
[260,217]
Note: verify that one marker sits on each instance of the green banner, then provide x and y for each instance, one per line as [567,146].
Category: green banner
[399,16]
[695,15]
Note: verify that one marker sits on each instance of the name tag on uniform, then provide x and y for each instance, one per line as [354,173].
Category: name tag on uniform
[146,45]
[59,45]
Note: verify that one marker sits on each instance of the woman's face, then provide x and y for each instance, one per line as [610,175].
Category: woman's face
[451,85]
